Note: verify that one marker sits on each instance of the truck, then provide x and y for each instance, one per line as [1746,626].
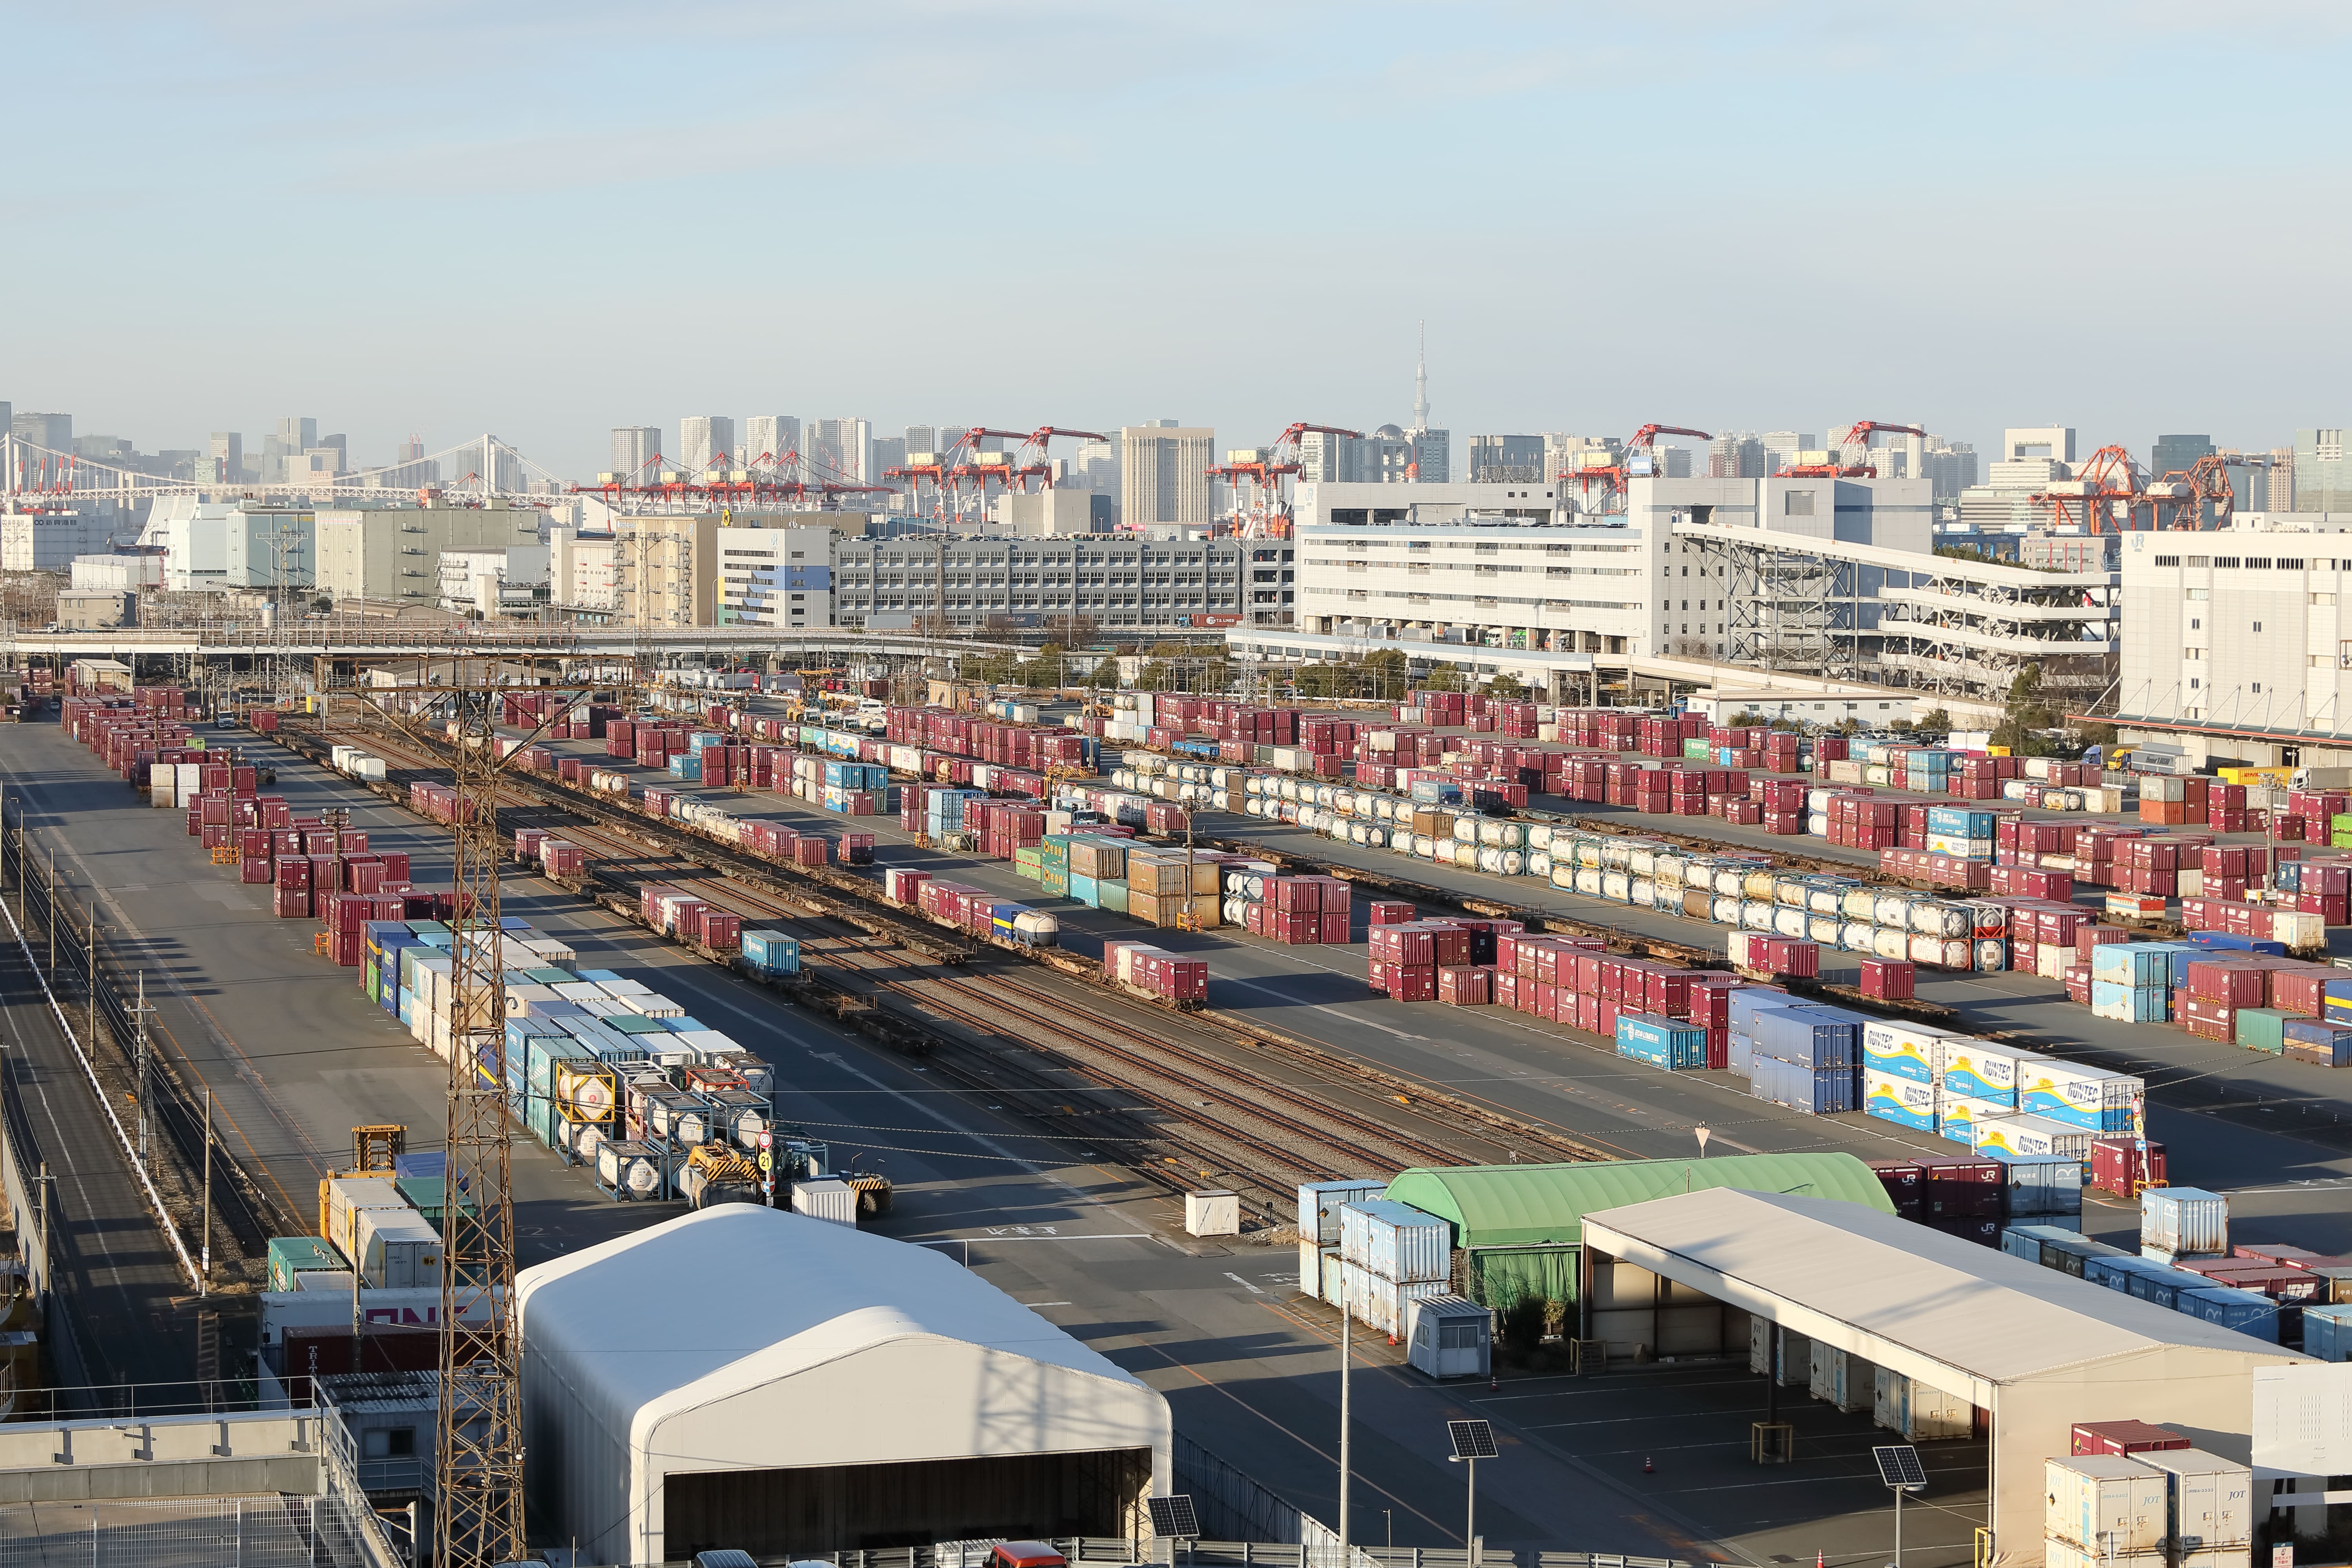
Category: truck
[2321,778]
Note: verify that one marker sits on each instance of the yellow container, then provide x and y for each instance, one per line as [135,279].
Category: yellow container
[1997,750]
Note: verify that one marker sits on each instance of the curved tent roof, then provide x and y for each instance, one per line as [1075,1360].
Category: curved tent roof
[1539,1205]
[750,1338]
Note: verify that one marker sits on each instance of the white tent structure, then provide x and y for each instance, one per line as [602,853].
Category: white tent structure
[754,1378]
[2035,1349]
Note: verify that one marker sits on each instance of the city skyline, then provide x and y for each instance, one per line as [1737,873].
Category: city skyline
[1718,267]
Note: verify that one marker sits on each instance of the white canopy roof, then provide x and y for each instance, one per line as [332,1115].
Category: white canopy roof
[750,1338]
[1995,1317]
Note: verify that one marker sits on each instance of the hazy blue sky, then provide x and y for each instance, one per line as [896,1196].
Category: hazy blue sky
[545,220]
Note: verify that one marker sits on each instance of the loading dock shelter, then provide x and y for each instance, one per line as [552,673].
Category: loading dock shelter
[2033,1349]
[755,1378]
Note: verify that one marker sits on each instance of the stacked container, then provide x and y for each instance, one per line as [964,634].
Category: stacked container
[1391,1253]
[2104,1510]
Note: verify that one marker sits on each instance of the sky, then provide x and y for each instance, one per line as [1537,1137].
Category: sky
[545,220]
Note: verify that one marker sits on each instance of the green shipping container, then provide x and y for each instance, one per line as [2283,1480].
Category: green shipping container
[429,1194]
[1055,882]
[293,1254]
[1114,896]
[2262,1029]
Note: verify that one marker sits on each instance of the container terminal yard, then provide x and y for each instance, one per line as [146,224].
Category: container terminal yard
[1699,1269]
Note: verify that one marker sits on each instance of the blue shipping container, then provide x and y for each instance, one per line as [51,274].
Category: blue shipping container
[2248,1311]
[771,952]
[1662,1042]
[686,765]
[1748,1001]
[1959,822]
[2328,1332]
[2138,1003]
[2142,963]
[2335,1038]
[2226,941]
[1816,1091]
[1808,1036]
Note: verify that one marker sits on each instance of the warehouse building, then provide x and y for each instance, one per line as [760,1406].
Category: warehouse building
[2030,1350]
[1519,1229]
[1515,566]
[2235,644]
[1113,580]
[841,1391]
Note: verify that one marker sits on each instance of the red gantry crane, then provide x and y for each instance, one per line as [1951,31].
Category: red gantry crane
[1033,451]
[2106,489]
[1267,515]
[1640,457]
[1857,435]
[2178,500]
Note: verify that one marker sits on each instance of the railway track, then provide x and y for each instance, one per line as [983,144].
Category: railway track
[1185,1099]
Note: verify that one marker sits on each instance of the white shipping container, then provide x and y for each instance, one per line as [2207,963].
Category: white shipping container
[1378,1303]
[396,1251]
[1844,1378]
[1319,1204]
[2104,1502]
[1920,1411]
[826,1198]
[1396,1240]
[2211,1499]
[347,1197]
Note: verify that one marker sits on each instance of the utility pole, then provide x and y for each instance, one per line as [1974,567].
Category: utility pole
[53,909]
[1347,1425]
[139,1015]
[93,995]
[205,1266]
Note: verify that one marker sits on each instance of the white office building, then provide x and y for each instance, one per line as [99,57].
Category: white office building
[1505,566]
[634,447]
[775,576]
[583,571]
[210,546]
[840,449]
[511,581]
[1164,475]
[2234,641]
[704,439]
[768,440]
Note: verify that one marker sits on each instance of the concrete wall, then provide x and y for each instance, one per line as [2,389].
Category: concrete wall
[169,1455]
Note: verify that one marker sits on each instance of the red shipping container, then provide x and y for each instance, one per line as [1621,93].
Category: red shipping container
[2238,984]
[1387,912]
[1887,979]
[722,930]
[2120,1438]
[253,869]
[347,948]
[1466,984]
[292,903]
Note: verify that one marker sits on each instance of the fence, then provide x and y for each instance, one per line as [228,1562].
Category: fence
[1237,1554]
[266,1532]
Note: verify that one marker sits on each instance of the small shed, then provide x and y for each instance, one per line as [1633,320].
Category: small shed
[1449,1336]
[1517,1228]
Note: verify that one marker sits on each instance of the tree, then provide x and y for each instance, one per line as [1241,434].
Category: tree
[1385,672]
[1152,677]
[2025,717]
[1444,677]
[1106,674]
[1936,722]
[1508,687]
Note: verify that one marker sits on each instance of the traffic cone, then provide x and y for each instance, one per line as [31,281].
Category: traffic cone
[1493,1382]
[1647,1467]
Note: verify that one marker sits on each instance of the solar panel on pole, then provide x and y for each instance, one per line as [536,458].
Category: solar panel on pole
[1899,1467]
[1174,1518]
[1472,1439]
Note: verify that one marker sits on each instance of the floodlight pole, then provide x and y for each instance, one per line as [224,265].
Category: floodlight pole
[1347,1356]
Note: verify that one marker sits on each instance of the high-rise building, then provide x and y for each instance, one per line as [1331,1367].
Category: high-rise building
[886,453]
[223,459]
[2178,454]
[839,449]
[1165,474]
[2323,475]
[769,439]
[2280,494]
[704,439]
[1950,467]
[635,447]
[1506,460]
[922,438]
[2055,442]
[1782,447]
[54,431]
[1738,455]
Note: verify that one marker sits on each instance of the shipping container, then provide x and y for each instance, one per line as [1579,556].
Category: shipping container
[2184,1222]
[1319,1204]
[2106,1504]
[1395,1241]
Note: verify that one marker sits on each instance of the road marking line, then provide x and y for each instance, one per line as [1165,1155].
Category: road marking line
[1244,1284]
